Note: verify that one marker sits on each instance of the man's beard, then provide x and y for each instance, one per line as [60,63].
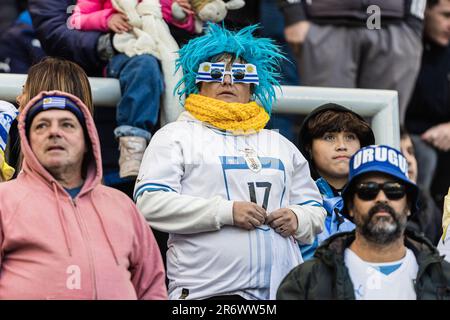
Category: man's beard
[382,230]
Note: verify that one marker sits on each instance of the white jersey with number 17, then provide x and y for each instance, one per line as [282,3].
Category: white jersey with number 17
[189,158]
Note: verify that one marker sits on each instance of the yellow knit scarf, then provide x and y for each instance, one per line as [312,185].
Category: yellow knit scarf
[239,118]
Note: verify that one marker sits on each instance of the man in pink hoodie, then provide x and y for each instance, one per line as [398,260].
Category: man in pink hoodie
[63,235]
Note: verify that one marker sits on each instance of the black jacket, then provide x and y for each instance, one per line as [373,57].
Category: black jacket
[19,48]
[353,12]
[428,219]
[430,102]
[50,22]
[327,277]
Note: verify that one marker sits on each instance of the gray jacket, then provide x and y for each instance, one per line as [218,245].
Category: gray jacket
[353,12]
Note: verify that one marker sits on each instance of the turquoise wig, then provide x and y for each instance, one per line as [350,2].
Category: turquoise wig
[262,52]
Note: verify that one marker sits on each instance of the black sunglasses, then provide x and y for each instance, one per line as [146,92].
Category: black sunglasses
[369,190]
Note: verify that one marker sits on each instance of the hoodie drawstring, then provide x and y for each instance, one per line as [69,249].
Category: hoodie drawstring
[62,221]
[104,229]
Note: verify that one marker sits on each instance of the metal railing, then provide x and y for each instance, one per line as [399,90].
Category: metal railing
[380,105]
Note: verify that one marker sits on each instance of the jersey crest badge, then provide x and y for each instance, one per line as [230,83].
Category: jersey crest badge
[252,160]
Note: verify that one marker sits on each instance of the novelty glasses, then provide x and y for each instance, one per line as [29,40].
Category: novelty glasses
[215,72]
[369,190]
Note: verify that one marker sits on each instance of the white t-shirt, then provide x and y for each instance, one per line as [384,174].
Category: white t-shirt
[382,281]
[190,158]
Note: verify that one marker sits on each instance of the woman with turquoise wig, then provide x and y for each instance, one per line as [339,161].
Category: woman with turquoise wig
[234,197]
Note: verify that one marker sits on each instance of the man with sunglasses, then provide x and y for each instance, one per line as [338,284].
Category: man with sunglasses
[381,259]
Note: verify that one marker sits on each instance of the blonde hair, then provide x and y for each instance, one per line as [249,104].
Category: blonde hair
[57,74]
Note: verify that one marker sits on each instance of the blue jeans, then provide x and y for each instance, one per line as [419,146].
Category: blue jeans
[141,83]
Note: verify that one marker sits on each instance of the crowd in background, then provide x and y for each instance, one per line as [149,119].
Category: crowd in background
[326,45]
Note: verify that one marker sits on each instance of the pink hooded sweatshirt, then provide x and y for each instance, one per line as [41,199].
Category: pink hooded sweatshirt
[95,246]
[93,15]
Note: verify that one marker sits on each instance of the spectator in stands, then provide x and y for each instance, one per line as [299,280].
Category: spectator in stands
[380,259]
[85,241]
[328,138]
[427,219]
[342,45]
[140,76]
[444,243]
[19,48]
[139,28]
[428,114]
[232,195]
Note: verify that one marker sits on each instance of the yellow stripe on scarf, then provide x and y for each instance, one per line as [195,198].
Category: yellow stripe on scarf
[6,171]
[239,118]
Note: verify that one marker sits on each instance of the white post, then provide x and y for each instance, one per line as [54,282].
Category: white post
[380,105]
[105,91]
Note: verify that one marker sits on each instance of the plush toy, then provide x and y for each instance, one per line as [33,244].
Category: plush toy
[207,10]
